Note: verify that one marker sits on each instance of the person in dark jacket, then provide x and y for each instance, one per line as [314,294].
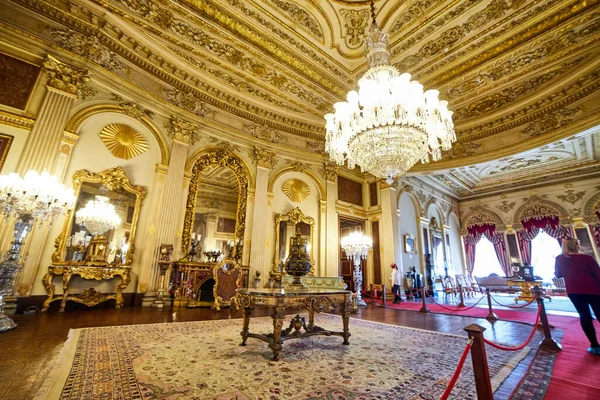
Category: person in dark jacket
[582,280]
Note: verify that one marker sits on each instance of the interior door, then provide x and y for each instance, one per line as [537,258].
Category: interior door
[348,226]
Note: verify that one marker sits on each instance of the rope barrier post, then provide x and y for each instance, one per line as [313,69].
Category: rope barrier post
[371,291]
[548,342]
[483,384]
[460,293]
[491,316]
[424,308]
[384,295]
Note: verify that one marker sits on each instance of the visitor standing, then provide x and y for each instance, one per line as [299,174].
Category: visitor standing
[396,279]
[582,280]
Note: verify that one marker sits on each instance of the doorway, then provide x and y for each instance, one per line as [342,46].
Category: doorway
[348,226]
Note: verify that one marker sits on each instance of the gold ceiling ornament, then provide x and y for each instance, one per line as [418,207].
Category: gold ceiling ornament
[123,141]
[297,190]
[389,124]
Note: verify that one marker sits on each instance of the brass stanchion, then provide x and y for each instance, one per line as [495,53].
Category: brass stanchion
[483,384]
[460,293]
[424,308]
[491,316]
[548,342]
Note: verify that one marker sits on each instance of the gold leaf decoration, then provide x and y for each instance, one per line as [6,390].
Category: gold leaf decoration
[296,189]
[123,141]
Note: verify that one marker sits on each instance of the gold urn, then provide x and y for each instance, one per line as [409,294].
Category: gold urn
[298,263]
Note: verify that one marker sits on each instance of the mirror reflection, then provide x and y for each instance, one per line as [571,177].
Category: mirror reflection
[213,231]
[101,228]
[286,226]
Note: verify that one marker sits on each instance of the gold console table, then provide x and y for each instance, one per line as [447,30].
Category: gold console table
[89,297]
[526,294]
[313,300]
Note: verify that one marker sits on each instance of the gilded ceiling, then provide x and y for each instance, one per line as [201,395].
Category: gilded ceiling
[519,74]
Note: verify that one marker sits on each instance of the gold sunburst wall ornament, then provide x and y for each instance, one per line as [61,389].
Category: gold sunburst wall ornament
[296,189]
[123,141]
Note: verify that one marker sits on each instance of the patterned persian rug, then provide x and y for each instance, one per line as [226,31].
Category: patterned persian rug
[203,360]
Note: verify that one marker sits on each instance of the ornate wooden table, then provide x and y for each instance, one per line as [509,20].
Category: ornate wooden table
[90,297]
[526,294]
[313,300]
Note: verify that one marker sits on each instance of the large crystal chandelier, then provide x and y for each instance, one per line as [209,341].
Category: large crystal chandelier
[39,196]
[98,216]
[35,197]
[389,124]
[357,246]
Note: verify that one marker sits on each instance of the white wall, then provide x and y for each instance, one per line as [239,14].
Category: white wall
[456,251]
[16,148]
[407,225]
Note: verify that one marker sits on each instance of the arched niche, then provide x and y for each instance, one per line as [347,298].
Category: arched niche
[592,210]
[481,216]
[205,159]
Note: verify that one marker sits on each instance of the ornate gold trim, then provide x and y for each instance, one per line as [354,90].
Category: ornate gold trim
[224,158]
[589,211]
[480,216]
[114,178]
[315,179]
[536,207]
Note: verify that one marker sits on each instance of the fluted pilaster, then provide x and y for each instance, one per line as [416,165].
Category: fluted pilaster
[260,225]
[390,235]
[332,246]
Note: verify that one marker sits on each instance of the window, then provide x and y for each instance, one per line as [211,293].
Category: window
[486,261]
[544,249]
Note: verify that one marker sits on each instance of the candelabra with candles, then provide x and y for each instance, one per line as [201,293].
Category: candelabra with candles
[357,246]
[33,198]
[77,245]
[194,242]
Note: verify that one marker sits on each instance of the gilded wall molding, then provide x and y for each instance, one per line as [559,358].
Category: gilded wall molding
[182,131]
[296,190]
[481,216]
[330,171]
[300,16]
[123,141]
[264,132]
[307,172]
[356,23]
[592,206]
[263,158]
[17,121]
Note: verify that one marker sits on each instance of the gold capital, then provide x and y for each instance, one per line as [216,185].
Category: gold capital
[64,77]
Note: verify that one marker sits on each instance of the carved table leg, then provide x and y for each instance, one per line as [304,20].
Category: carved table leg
[345,320]
[66,279]
[47,281]
[311,319]
[246,312]
[275,345]
[125,278]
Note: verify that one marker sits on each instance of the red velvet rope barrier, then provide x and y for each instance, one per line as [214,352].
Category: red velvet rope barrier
[537,319]
[504,305]
[457,371]
[453,309]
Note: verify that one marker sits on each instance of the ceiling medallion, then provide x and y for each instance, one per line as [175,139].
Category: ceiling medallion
[389,124]
[123,141]
[296,189]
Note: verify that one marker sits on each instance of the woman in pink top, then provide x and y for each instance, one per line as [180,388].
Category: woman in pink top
[582,278]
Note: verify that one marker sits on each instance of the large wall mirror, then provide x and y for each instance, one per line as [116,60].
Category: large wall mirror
[438,252]
[78,243]
[216,208]
[286,226]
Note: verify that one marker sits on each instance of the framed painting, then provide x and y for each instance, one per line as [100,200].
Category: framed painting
[5,142]
[409,244]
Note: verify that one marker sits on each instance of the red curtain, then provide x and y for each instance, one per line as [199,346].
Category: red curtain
[531,228]
[596,230]
[497,239]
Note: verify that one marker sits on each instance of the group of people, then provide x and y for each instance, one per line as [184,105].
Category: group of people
[582,280]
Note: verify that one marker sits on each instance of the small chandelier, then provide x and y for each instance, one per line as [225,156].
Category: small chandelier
[98,216]
[389,124]
[356,246]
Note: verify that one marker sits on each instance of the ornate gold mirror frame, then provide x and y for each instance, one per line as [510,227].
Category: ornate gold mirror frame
[221,158]
[295,216]
[113,179]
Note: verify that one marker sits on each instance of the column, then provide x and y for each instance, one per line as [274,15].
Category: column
[43,150]
[262,233]
[183,134]
[330,172]
[210,240]
[390,236]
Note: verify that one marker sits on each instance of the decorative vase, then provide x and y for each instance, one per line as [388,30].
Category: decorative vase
[298,263]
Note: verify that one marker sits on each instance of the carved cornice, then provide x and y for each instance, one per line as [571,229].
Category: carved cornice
[64,77]
[263,158]
[300,16]
[265,132]
[18,121]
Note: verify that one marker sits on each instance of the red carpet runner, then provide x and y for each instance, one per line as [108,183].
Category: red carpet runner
[576,373]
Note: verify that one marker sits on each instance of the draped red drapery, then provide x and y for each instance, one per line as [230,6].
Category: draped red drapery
[596,230]
[531,228]
[497,239]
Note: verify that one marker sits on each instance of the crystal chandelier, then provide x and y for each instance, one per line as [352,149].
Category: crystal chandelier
[98,216]
[389,124]
[32,198]
[39,196]
[357,246]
